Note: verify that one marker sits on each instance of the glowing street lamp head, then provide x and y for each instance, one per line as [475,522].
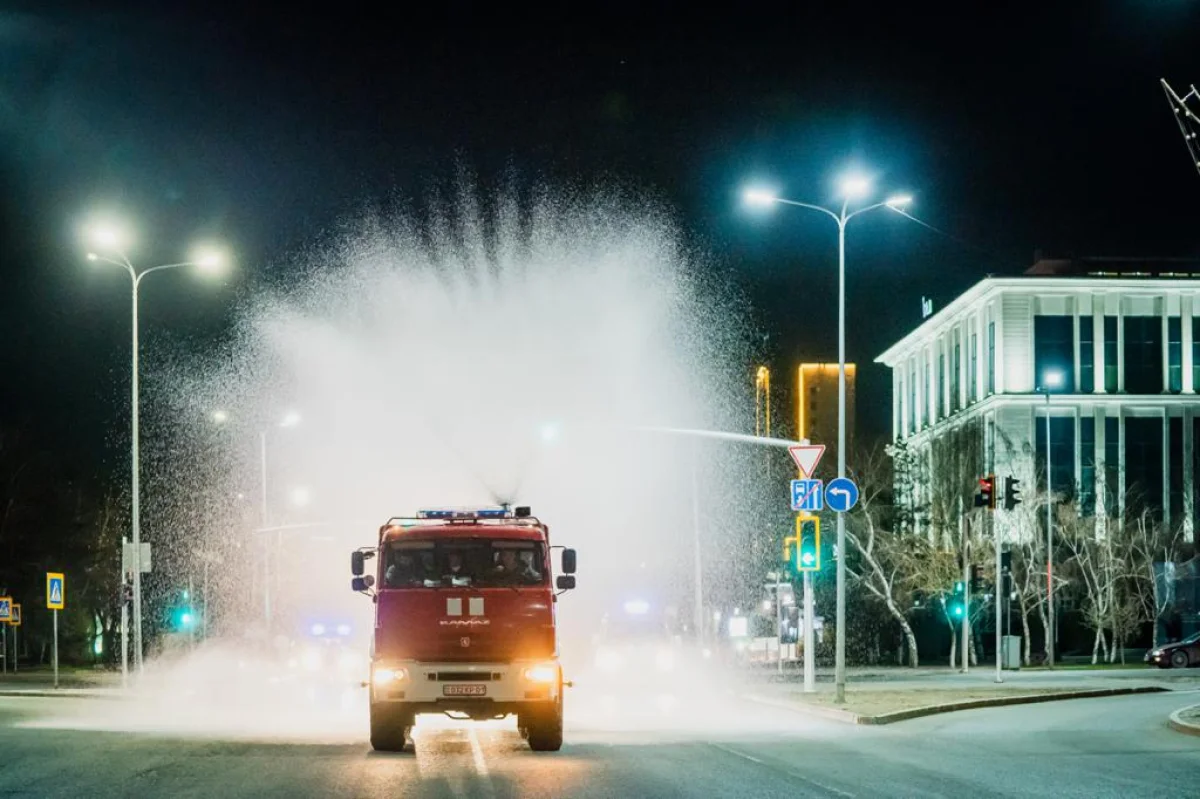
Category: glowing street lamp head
[106,235]
[899,201]
[210,261]
[759,198]
[1052,378]
[855,187]
[290,419]
[220,417]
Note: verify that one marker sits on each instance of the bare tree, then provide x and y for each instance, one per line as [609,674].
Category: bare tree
[1098,568]
[1152,543]
[881,546]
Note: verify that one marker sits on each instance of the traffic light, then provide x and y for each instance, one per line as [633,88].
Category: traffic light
[958,602]
[986,498]
[1012,497]
[976,579]
[806,556]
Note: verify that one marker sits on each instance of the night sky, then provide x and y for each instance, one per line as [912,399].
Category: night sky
[1014,131]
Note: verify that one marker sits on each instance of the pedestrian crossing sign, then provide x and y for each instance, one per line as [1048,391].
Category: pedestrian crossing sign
[56,593]
[5,608]
[15,619]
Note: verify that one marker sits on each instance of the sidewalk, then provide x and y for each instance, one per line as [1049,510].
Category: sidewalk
[39,681]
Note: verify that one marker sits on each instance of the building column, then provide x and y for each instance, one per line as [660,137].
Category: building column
[1102,509]
[998,317]
[1185,324]
[897,405]
[1121,349]
[1166,346]
[1189,498]
[1098,301]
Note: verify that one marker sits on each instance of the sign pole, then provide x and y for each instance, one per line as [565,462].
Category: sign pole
[996,596]
[55,650]
[16,651]
[124,639]
[810,677]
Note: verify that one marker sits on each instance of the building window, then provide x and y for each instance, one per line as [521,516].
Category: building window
[1087,466]
[1175,467]
[991,359]
[1143,465]
[973,379]
[1087,355]
[1174,354]
[1054,352]
[1112,464]
[1143,355]
[956,374]
[941,395]
[1110,354]
[928,393]
[912,397]
[1062,454]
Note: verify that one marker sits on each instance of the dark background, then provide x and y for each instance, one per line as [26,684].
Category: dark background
[1014,128]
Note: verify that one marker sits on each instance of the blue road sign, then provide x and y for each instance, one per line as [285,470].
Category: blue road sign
[806,495]
[841,494]
[5,608]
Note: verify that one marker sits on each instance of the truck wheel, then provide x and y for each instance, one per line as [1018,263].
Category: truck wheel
[546,729]
[390,727]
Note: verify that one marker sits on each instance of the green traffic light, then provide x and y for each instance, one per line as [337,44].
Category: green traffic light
[957,610]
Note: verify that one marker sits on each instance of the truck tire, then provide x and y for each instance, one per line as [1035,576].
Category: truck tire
[390,727]
[546,728]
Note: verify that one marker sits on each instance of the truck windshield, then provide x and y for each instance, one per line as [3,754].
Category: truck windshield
[472,562]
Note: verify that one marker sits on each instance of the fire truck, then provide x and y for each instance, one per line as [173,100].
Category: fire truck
[464,622]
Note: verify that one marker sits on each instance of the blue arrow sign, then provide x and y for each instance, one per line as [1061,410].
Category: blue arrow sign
[841,494]
[806,495]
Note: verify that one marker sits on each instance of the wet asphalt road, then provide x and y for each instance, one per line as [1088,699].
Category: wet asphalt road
[725,746]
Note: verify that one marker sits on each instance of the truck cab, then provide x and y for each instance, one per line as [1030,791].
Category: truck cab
[465,622]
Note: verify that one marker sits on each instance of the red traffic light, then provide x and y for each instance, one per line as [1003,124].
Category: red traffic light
[986,498]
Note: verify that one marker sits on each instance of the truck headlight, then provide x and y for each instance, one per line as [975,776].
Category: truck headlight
[542,673]
[387,676]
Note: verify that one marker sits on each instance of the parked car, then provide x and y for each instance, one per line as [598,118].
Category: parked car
[1179,655]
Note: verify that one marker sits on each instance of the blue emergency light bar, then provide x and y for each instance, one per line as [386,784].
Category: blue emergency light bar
[483,513]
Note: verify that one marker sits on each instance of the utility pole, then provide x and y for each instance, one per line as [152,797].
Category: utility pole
[966,562]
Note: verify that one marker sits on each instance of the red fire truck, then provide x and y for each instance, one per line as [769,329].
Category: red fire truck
[464,622]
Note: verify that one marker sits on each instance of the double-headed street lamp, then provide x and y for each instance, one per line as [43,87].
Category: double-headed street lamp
[300,497]
[109,243]
[853,188]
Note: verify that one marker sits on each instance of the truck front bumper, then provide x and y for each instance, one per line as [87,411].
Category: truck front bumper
[479,690]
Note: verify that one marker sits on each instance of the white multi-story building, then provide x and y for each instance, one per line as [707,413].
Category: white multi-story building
[1110,350]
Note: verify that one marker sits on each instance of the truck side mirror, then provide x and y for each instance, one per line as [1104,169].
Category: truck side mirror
[362,584]
[356,563]
[565,582]
[568,561]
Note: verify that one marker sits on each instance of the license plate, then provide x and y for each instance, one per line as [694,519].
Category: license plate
[464,690]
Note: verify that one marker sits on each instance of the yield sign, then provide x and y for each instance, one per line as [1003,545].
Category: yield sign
[807,456]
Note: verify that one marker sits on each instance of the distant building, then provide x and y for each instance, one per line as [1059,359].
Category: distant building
[1109,349]
[817,408]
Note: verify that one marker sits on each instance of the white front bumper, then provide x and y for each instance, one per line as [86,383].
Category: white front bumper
[446,683]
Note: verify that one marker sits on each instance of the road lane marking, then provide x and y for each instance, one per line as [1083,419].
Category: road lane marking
[791,773]
[477,753]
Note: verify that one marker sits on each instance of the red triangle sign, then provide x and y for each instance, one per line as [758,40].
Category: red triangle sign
[807,456]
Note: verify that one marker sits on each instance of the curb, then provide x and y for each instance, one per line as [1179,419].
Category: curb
[60,693]
[1176,722]
[950,707]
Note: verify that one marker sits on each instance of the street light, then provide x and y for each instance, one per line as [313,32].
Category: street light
[852,187]
[110,240]
[1051,379]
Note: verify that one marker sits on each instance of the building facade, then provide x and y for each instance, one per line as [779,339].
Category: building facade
[817,406]
[1110,356]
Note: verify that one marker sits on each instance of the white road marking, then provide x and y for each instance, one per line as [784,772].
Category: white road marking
[794,774]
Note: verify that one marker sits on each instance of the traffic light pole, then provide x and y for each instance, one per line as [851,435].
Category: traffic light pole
[996,595]
[966,559]
[810,676]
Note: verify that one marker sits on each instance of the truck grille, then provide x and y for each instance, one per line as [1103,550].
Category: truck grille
[463,676]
